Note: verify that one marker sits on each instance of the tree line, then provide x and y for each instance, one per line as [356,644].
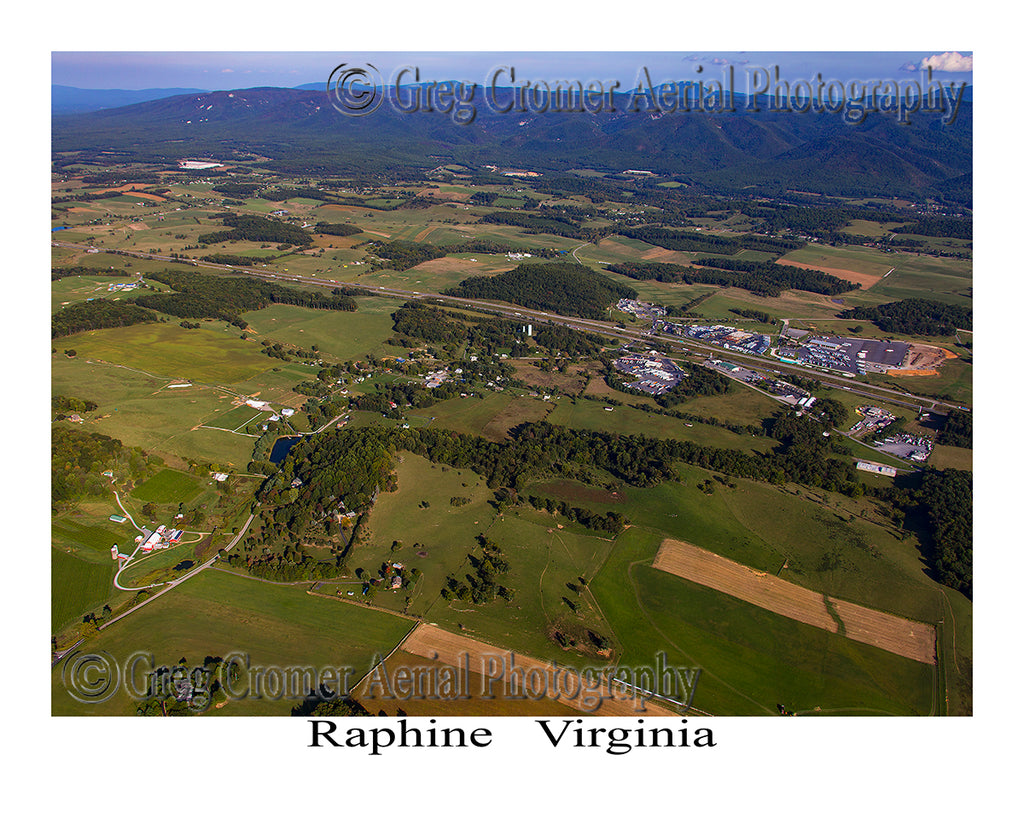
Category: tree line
[918,317]
[561,287]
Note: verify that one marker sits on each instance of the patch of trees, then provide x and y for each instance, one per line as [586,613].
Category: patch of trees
[561,287]
[947,227]
[97,315]
[291,565]
[227,297]
[611,522]
[481,584]
[281,194]
[77,459]
[946,498]
[572,342]
[404,255]
[235,259]
[337,229]
[958,430]
[535,223]
[245,190]
[64,405]
[762,278]
[920,317]
[487,246]
[81,270]
[682,240]
[770,279]
[244,227]
[421,321]
[756,315]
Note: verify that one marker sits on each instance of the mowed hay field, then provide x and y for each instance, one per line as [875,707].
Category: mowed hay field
[494,663]
[204,355]
[336,332]
[751,659]
[216,614]
[895,634]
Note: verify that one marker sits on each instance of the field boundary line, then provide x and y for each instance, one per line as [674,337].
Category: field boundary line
[880,629]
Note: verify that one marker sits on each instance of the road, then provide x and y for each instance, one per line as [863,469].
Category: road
[605,328]
[184,577]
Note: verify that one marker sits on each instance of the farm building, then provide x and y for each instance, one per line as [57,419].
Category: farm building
[877,469]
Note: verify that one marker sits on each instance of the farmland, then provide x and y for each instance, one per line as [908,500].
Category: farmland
[568,594]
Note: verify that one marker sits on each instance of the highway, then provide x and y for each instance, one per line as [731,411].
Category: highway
[606,328]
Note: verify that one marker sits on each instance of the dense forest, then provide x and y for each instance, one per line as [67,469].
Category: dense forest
[958,430]
[78,458]
[561,287]
[97,315]
[915,317]
[762,278]
[947,227]
[946,498]
[337,229]
[244,227]
[535,223]
[403,255]
[227,297]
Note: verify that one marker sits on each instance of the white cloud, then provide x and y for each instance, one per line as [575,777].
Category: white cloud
[227,71]
[947,61]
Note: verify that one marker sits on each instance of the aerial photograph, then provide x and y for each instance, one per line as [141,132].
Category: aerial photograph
[533,384]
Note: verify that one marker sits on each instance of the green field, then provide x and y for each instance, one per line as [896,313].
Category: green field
[625,420]
[348,336]
[168,486]
[751,659]
[77,587]
[167,350]
[218,614]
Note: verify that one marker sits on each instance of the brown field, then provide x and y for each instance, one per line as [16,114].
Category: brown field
[423,234]
[656,254]
[571,491]
[521,410]
[456,650]
[877,628]
[660,254]
[865,280]
[571,381]
[449,264]
[428,697]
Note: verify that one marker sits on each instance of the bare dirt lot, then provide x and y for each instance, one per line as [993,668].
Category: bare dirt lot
[459,651]
[877,628]
[865,280]
[923,359]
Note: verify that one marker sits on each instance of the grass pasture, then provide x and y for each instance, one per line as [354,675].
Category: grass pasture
[77,587]
[344,335]
[751,659]
[172,352]
[168,486]
[218,614]
[625,420]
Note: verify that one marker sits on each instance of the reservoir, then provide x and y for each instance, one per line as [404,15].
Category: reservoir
[282,446]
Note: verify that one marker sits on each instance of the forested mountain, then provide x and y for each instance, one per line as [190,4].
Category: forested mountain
[772,151]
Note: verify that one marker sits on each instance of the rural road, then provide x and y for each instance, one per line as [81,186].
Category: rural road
[241,532]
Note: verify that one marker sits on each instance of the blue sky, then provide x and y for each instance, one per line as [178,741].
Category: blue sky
[218,70]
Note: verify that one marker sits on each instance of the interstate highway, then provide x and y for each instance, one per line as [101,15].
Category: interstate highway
[772,366]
